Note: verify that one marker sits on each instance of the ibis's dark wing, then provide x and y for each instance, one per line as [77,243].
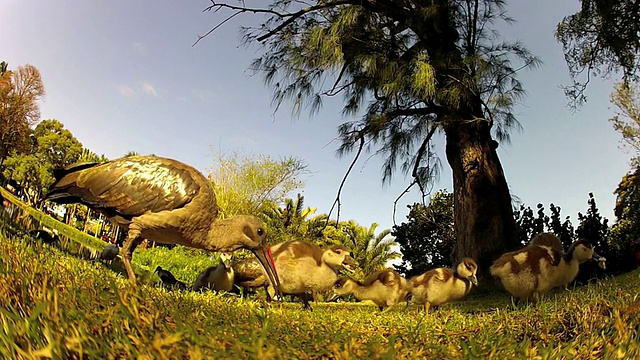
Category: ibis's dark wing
[128,187]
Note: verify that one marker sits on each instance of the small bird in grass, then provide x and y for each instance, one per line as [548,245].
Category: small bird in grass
[163,200]
[110,252]
[217,278]
[47,236]
[169,280]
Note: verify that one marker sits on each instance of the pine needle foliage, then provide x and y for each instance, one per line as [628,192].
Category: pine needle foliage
[402,67]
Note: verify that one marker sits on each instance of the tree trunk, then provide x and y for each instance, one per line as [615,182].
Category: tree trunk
[485,226]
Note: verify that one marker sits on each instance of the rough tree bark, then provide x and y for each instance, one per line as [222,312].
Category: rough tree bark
[485,227]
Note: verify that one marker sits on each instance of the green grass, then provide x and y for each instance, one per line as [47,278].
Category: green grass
[56,304]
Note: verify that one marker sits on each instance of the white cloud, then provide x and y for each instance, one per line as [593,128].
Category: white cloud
[149,89]
[127,91]
[139,48]
[144,88]
[198,94]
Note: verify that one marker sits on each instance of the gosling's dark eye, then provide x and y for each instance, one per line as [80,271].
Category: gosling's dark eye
[260,231]
[338,252]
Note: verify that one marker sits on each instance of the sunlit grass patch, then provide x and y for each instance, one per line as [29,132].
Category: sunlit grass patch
[57,305]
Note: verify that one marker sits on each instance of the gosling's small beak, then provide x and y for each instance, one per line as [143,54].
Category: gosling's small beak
[473,279]
[350,264]
[332,297]
[226,260]
[266,259]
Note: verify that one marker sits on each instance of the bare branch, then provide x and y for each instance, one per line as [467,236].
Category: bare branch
[421,151]
[344,179]
[217,6]
[333,91]
[200,37]
[395,203]
[290,17]
[296,15]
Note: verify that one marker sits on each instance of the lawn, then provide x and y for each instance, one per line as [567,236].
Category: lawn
[56,304]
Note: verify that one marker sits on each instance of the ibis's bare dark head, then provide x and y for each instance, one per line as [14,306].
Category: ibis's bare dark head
[247,232]
[239,232]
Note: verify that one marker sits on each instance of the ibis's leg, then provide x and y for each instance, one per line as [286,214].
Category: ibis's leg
[130,244]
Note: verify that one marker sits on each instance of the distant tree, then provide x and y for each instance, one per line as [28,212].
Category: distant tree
[626,230]
[247,184]
[626,98]
[524,223]
[427,238]
[29,171]
[600,39]
[540,222]
[371,251]
[562,229]
[288,222]
[594,228]
[529,226]
[624,235]
[592,225]
[20,90]
[56,144]
[53,147]
[88,156]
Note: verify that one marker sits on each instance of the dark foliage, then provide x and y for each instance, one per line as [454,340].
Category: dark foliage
[427,238]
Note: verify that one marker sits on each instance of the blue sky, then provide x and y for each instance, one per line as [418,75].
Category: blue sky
[124,76]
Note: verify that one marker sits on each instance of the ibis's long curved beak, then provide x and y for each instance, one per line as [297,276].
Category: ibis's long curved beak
[266,259]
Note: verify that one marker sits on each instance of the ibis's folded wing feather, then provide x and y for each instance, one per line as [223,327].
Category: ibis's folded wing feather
[129,186]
